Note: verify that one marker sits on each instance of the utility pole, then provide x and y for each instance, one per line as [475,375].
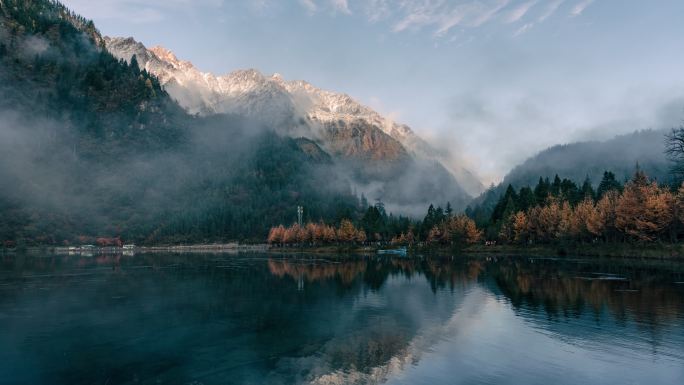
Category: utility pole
[300,212]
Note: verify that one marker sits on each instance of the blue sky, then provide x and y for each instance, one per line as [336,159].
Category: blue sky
[493,80]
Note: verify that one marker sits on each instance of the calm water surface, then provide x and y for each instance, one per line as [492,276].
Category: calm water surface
[270,319]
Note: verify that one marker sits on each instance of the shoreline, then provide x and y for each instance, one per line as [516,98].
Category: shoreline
[608,250]
[611,250]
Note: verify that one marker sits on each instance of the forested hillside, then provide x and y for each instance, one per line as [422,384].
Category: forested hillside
[91,146]
[585,162]
[576,161]
[561,213]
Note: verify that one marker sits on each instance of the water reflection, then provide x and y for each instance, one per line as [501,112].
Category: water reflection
[258,318]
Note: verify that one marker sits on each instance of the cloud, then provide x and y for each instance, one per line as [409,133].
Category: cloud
[488,14]
[580,7]
[445,15]
[309,5]
[376,10]
[523,29]
[551,8]
[341,6]
[136,11]
[451,20]
[518,12]
[497,130]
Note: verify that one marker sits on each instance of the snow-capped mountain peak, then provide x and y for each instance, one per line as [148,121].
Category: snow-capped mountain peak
[272,100]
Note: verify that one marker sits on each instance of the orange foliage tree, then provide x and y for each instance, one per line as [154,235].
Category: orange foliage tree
[644,210]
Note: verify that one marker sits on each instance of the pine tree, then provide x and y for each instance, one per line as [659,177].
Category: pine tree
[556,186]
[526,199]
[448,211]
[608,183]
[587,191]
[542,191]
[505,206]
[134,65]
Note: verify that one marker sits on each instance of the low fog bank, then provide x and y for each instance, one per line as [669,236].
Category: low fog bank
[230,178]
[577,161]
[411,187]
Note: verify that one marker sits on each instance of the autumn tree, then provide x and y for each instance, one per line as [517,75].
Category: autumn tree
[316,232]
[546,221]
[520,227]
[435,234]
[329,234]
[587,219]
[290,235]
[568,226]
[303,235]
[361,236]
[606,208]
[463,230]
[644,210]
[346,232]
[410,238]
[276,234]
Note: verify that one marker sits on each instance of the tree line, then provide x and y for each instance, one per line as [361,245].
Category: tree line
[555,211]
[641,210]
[375,226]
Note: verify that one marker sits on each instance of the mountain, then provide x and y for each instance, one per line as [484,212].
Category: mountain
[577,161]
[92,146]
[345,127]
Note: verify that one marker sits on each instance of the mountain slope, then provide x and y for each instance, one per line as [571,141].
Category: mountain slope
[91,146]
[370,150]
[343,125]
[577,161]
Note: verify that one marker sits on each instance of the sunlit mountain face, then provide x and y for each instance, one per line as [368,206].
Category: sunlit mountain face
[328,320]
[372,148]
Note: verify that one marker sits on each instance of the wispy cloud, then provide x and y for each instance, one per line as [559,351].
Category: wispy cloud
[451,20]
[377,10]
[438,17]
[341,6]
[523,29]
[445,15]
[486,15]
[580,7]
[136,11]
[518,12]
[309,5]
[551,8]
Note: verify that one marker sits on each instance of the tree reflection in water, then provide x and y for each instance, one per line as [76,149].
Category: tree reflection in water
[258,318]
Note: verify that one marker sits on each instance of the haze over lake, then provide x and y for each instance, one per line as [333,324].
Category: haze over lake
[278,319]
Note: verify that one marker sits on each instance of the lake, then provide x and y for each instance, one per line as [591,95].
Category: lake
[298,319]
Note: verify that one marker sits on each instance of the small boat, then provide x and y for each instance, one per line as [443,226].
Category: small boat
[400,251]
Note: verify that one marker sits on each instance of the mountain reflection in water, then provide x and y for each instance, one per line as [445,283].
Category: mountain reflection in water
[258,318]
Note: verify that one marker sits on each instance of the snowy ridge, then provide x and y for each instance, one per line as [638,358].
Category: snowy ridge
[288,105]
